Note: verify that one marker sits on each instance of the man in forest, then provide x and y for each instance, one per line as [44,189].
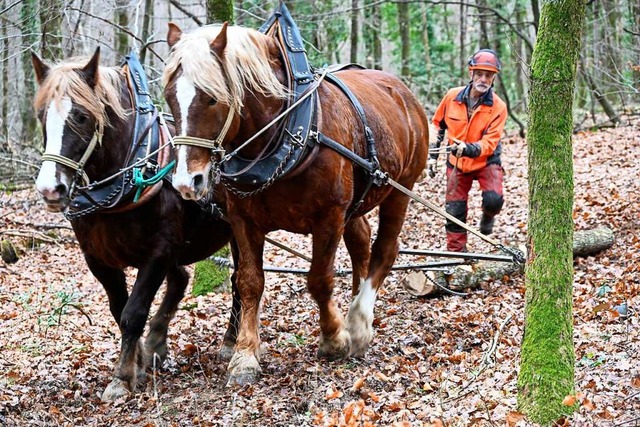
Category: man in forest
[474,118]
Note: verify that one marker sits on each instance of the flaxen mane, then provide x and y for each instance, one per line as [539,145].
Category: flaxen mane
[246,64]
[63,80]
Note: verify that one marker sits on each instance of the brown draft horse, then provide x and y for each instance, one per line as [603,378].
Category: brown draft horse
[157,237]
[234,75]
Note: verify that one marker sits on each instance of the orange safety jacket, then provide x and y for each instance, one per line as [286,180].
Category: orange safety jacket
[483,129]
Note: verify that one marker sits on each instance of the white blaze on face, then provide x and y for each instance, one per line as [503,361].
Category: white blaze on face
[185,92]
[57,114]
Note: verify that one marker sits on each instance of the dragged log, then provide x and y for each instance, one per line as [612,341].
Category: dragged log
[471,276]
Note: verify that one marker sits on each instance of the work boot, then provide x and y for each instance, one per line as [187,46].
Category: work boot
[486,225]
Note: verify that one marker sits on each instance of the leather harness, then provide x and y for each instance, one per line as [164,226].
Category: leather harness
[116,194]
[299,138]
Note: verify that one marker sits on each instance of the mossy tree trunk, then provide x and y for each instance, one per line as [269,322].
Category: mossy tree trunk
[547,357]
[219,11]
[209,276]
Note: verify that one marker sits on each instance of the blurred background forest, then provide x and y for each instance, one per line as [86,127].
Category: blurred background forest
[426,42]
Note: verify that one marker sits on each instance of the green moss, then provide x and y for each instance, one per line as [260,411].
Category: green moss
[210,277]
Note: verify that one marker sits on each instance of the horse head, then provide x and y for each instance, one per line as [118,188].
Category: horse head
[77,102]
[223,84]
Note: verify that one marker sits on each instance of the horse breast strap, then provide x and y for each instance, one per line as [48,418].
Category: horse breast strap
[293,144]
[146,139]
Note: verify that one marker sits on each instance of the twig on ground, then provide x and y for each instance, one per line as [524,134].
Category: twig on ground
[485,362]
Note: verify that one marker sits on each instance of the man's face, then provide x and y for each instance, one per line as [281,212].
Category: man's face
[481,80]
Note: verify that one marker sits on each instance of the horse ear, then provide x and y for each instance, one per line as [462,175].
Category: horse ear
[220,42]
[174,34]
[40,67]
[90,71]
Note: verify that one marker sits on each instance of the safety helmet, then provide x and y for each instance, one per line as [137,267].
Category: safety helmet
[485,59]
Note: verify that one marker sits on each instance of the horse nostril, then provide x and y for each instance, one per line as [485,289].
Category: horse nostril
[61,189]
[198,182]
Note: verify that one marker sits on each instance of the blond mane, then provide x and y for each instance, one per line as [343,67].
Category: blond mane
[246,64]
[63,80]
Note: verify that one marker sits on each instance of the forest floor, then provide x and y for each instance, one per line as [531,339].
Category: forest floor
[432,362]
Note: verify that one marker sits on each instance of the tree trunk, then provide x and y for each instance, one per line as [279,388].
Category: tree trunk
[219,11]
[425,38]
[354,32]
[122,20]
[468,277]
[403,25]
[547,357]
[29,30]
[462,43]
[146,28]
[4,146]
[372,27]
[50,22]
[597,94]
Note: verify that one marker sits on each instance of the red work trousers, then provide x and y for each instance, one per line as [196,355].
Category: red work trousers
[458,185]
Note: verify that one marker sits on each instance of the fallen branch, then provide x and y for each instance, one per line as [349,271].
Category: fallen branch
[471,276]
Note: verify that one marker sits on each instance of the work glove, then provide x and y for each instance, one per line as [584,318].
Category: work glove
[431,168]
[458,148]
[462,149]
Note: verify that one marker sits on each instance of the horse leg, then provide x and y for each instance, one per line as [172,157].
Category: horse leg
[132,323]
[114,282]
[156,342]
[244,366]
[357,239]
[334,339]
[229,341]
[383,254]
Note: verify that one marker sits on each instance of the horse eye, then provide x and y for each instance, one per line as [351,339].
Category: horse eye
[212,102]
[81,118]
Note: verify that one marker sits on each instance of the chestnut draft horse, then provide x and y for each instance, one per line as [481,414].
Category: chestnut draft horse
[78,100]
[226,83]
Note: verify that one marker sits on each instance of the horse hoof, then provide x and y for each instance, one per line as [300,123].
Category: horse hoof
[360,340]
[226,352]
[243,369]
[115,390]
[336,348]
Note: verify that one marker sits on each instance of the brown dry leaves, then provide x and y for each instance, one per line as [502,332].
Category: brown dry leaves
[423,365]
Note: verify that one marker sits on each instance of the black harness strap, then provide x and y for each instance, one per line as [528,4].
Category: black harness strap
[372,164]
[146,138]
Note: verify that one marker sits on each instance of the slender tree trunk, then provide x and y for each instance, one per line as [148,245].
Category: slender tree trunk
[520,78]
[547,357]
[122,19]
[354,31]
[50,22]
[535,9]
[404,28]
[462,42]
[29,29]
[636,18]
[597,94]
[377,43]
[4,146]
[425,37]
[146,28]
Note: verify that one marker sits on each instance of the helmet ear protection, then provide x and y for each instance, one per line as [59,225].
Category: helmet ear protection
[485,59]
